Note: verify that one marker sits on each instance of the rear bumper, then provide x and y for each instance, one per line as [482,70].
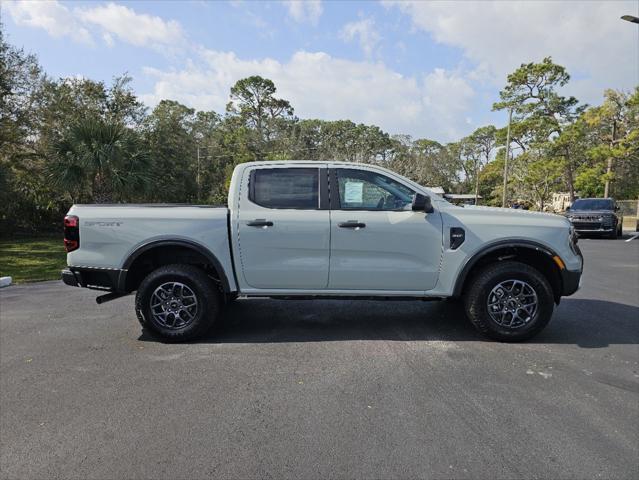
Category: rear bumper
[95,278]
[69,278]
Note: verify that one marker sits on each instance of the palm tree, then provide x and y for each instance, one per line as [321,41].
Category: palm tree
[101,162]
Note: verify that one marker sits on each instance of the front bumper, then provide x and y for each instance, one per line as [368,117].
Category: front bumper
[601,226]
[570,281]
[591,230]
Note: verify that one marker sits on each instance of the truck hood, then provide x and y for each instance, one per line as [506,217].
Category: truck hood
[511,216]
[511,212]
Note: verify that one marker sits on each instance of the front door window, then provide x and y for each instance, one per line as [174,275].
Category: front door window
[366,190]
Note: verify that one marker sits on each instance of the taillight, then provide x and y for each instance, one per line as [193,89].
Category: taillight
[71,233]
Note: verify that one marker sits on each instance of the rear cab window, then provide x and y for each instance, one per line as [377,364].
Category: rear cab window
[285,188]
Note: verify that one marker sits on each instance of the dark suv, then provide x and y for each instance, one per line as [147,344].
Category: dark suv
[596,216]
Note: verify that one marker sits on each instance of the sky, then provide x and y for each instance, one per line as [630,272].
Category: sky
[427,69]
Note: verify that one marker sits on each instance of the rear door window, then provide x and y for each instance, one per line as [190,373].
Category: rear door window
[296,188]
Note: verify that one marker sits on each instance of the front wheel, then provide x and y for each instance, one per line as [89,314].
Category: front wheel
[614,234]
[509,301]
[177,302]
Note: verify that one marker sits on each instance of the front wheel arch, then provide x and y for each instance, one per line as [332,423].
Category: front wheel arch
[528,252]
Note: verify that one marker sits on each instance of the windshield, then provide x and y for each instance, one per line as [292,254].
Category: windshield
[593,204]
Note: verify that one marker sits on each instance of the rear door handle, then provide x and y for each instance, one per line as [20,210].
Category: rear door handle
[351,224]
[260,222]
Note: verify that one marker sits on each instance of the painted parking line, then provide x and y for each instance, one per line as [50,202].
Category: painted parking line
[633,237]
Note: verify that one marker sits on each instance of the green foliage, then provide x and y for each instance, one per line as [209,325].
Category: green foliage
[590,181]
[100,161]
[253,100]
[491,182]
[77,140]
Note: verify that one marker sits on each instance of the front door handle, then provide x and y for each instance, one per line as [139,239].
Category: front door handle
[351,224]
[260,222]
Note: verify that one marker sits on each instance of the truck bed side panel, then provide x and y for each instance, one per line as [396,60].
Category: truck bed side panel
[110,234]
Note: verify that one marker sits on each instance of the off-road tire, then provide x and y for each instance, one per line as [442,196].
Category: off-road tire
[198,282]
[481,284]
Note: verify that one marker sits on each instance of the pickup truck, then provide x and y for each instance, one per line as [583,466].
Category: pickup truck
[312,229]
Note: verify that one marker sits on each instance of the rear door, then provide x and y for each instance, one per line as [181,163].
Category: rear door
[377,241]
[284,227]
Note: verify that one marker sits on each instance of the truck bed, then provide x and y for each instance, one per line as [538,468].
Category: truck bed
[111,233]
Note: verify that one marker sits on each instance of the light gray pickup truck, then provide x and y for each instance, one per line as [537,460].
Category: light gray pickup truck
[302,229]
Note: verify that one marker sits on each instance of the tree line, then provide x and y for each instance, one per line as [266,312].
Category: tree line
[76,140]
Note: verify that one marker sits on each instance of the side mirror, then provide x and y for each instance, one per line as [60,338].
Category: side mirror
[616,208]
[567,209]
[421,203]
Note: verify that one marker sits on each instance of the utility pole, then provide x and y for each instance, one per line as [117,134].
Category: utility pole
[609,168]
[503,198]
[477,182]
[197,179]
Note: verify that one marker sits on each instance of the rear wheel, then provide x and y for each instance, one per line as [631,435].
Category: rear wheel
[509,301]
[177,302]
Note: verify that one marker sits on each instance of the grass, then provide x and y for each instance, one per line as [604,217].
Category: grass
[32,259]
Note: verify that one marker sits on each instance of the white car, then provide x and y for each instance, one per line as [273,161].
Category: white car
[311,229]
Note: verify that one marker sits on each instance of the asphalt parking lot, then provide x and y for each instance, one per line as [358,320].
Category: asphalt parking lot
[323,389]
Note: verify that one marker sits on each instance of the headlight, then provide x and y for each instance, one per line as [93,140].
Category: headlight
[572,240]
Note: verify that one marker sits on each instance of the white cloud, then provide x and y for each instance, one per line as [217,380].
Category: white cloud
[137,29]
[108,39]
[447,97]
[364,30]
[598,49]
[53,17]
[110,20]
[321,86]
[303,11]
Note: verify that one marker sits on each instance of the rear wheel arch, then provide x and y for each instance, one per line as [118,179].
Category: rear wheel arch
[153,255]
[531,253]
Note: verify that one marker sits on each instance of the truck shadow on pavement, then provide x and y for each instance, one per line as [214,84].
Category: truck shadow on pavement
[583,322]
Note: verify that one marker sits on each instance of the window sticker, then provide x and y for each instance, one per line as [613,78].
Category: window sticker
[353,192]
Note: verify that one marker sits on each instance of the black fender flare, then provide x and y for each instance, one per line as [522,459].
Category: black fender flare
[488,249]
[205,252]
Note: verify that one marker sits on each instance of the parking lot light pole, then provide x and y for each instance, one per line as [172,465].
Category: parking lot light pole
[630,18]
[503,197]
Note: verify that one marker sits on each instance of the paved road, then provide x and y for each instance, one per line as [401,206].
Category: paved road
[323,389]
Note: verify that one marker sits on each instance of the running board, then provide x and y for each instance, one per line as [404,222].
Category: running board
[108,297]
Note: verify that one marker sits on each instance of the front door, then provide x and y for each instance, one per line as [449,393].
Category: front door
[284,228]
[377,241]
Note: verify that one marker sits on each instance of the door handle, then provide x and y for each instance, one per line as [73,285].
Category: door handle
[260,222]
[351,224]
